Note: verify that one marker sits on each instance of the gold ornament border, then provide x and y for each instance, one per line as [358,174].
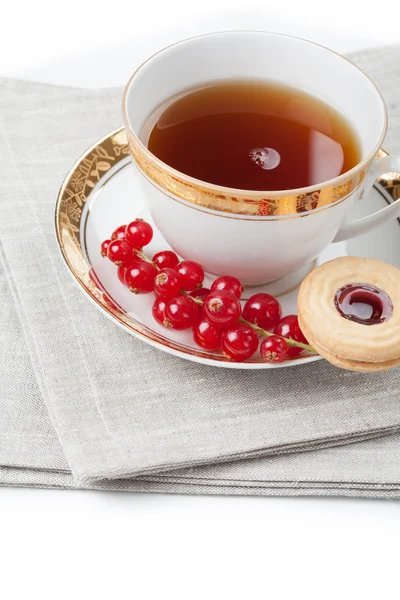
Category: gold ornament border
[258,205]
[79,183]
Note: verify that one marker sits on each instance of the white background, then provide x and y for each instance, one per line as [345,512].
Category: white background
[62,544]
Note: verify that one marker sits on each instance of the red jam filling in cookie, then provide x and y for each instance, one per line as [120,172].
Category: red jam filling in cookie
[364,304]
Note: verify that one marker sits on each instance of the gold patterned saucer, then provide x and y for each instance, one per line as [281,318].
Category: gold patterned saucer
[100,192]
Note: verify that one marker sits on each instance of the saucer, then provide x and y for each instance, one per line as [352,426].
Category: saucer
[101,192]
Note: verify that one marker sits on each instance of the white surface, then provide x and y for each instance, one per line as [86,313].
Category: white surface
[92,545]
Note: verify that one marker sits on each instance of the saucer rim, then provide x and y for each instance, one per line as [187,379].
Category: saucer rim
[81,273]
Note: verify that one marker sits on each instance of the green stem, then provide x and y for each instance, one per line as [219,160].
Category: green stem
[289,341]
[196,300]
[146,258]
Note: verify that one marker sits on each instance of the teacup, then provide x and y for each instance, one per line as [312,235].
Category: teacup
[257,236]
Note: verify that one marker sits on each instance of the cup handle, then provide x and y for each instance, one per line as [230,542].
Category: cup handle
[386,164]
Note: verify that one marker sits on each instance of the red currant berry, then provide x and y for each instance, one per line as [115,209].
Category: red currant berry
[180,313]
[104,247]
[228,283]
[207,335]
[158,309]
[121,272]
[167,283]
[200,294]
[239,342]
[289,327]
[119,252]
[222,308]
[274,349]
[192,274]
[140,277]
[138,233]
[166,259]
[262,310]
[200,312]
[119,233]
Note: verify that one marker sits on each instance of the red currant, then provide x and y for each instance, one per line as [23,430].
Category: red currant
[228,283]
[192,274]
[207,335]
[121,272]
[158,309]
[262,310]
[180,313]
[165,259]
[200,294]
[289,327]
[239,342]
[167,283]
[138,233]
[119,252]
[104,247]
[119,233]
[222,308]
[274,349]
[140,277]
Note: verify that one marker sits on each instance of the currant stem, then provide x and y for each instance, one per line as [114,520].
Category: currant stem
[196,300]
[256,328]
[146,258]
[289,341]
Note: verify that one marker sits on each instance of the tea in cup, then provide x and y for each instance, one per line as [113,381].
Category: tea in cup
[251,147]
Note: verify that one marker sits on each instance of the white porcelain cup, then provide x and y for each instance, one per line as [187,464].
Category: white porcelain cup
[256,236]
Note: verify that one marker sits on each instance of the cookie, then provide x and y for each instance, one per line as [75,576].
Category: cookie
[353,365]
[349,310]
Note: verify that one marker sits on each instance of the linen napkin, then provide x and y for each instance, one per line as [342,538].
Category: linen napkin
[121,409]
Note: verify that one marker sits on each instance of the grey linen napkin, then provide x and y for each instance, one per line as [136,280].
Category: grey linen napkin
[78,395]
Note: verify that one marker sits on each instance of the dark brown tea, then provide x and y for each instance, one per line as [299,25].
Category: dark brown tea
[253,135]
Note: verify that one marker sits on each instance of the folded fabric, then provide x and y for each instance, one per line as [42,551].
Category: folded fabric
[79,395]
